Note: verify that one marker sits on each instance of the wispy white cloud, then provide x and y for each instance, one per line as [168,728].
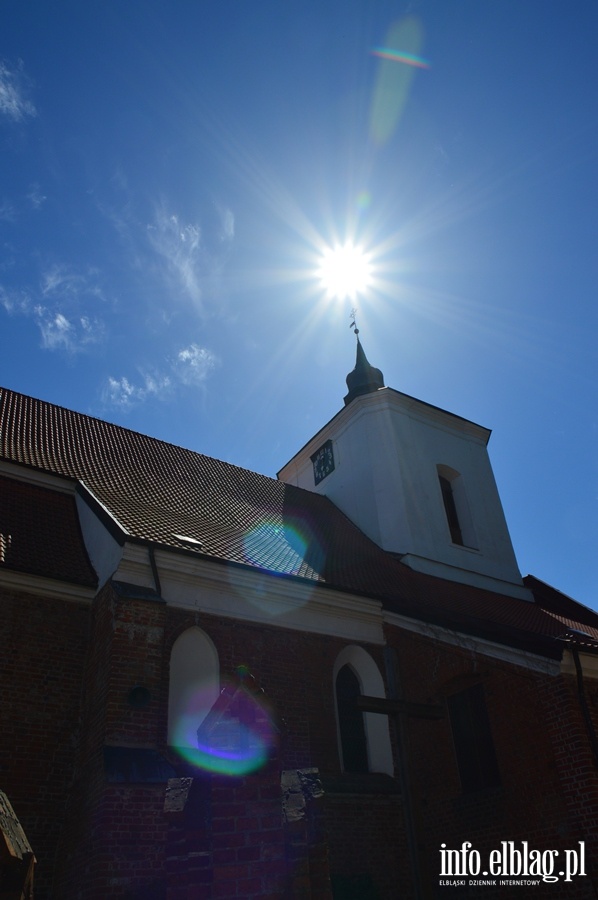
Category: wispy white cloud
[63,283]
[179,246]
[13,101]
[227,223]
[72,334]
[193,364]
[15,302]
[121,392]
[35,196]
[60,280]
[63,306]
[57,331]
[11,210]
[181,258]
[190,367]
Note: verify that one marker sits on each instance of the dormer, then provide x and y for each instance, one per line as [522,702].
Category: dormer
[416,479]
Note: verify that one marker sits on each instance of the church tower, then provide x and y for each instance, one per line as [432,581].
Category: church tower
[416,479]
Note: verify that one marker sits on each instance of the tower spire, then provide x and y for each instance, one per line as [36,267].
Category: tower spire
[365,378]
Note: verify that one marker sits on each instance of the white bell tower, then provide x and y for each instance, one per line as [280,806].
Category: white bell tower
[416,479]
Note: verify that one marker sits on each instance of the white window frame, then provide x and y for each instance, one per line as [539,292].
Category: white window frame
[194,685]
[377,732]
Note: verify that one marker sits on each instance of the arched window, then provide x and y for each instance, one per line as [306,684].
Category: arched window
[456,507]
[193,687]
[363,738]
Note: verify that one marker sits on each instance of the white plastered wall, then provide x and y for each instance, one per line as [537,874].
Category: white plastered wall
[387,450]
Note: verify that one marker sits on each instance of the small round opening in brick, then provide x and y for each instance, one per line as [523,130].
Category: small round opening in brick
[139,697]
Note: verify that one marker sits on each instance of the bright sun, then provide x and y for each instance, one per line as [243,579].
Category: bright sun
[345,271]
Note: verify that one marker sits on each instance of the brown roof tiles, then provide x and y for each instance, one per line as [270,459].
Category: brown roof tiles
[167,495]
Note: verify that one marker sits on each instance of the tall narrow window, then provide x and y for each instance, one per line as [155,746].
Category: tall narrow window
[456,507]
[350,722]
[472,737]
[450,509]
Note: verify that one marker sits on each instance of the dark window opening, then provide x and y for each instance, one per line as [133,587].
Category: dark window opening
[472,737]
[450,508]
[350,720]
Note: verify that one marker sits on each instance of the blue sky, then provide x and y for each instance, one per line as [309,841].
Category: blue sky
[171,171]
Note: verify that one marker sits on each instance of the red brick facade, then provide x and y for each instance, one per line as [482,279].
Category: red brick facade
[44,650]
[100,839]
[548,782]
[231,840]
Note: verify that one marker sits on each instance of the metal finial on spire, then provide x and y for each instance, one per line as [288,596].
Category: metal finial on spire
[365,378]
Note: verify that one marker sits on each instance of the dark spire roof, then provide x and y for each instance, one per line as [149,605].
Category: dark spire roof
[364,378]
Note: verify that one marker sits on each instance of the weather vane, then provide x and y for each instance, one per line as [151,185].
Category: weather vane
[353,323]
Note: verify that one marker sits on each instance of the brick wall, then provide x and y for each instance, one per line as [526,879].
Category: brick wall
[548,785]
[295,671]
[44,644]
[71,698]
[231,841]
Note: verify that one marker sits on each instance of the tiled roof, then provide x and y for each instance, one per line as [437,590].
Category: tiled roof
[165,494]
[160,492]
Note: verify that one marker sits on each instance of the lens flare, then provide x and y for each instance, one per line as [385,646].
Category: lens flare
[397,56]
[192,708]
[235,738]
[227,762]
[282,545]
[393,84]
[364,200]
[273,546]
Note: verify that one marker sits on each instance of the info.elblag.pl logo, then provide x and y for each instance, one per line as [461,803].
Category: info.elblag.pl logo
[511,861]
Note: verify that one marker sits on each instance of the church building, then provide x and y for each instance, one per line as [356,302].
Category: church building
[335,683]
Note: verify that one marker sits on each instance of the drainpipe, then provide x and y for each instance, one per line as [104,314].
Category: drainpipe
[152,559]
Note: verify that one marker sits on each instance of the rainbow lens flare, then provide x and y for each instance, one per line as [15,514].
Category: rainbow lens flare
[402,44]
[364,200]
[270,545]
[410,59]
[235,737]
